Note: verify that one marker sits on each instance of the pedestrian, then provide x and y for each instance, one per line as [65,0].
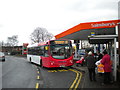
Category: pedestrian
[90,62]
[106,61]
[100,68]
[99,55]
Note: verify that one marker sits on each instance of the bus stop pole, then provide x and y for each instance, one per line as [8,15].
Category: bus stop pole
[115,60]
[101,48]
[119,31]
[119,41]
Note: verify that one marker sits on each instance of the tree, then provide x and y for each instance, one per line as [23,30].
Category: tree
[1,43]
[12,41]
[40,35]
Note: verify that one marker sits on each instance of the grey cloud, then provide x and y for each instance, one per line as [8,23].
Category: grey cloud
[119,10]
[87,5]
[107,5]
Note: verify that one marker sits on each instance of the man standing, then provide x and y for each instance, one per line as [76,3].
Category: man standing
[107,67]
[90,61]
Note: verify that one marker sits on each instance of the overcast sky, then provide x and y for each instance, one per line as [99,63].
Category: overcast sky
[21,17]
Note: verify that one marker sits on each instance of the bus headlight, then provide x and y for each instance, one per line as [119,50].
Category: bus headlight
[71,61]
[51,62]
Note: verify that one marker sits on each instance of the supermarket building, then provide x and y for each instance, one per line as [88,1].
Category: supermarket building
[102,32]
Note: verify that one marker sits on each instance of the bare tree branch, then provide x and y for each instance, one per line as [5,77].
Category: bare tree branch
[40,35]
[12,41]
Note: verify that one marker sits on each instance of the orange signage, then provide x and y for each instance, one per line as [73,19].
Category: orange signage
[89,25]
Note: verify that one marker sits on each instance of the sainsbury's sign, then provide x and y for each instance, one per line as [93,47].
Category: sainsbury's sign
[103,25]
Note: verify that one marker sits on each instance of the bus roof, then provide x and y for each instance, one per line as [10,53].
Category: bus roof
[43,43]
[33,45]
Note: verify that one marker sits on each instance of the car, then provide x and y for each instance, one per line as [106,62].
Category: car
[81,61]
[2,56]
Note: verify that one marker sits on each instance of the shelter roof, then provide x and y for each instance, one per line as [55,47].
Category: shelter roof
[83,30]
[101,39]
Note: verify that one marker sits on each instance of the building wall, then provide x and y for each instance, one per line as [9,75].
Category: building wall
[11,49]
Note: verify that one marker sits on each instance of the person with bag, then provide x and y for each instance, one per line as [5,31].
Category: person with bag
[100,66]
[90,62]
[106,61]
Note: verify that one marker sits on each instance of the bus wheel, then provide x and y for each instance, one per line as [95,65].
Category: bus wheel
[41,63]
[30,59]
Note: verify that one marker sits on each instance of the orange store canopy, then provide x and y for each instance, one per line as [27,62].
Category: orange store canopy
[83,30]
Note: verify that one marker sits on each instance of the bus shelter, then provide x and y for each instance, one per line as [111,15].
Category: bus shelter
[104,32]
[110,41]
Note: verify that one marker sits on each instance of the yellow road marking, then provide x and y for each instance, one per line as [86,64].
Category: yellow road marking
[52,71]
[77,79]
[60,70]
[49,71]
[37,85]
[38,72]
[57,70]
[65,70]
[38,77]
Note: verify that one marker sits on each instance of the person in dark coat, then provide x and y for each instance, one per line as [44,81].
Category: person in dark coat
[100,56]
[90,62]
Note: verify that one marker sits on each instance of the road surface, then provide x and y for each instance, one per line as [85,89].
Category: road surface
[17,72]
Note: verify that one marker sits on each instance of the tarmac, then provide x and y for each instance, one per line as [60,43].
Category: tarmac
[87,84]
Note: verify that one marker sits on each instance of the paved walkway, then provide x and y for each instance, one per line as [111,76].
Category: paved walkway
[94,84]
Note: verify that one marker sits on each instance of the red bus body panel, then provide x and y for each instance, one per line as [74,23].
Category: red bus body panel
[50,62]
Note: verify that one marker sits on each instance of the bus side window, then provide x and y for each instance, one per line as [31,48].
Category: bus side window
[29,51]
[35,51]
[41,50]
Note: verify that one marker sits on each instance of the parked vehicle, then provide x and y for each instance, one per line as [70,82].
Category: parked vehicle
[2,56]
[81,52]
[81,61]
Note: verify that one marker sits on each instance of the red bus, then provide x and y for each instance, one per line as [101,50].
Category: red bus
[54,53]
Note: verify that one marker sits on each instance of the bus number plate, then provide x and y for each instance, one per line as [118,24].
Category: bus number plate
[62,66]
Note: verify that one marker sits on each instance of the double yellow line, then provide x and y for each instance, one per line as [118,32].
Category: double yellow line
[77,80]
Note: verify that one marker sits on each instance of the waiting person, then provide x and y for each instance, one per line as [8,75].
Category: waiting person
[90,62]
[100,68]
[107,67]
[100,56]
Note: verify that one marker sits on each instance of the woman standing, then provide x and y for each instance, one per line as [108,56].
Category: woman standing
[107,67]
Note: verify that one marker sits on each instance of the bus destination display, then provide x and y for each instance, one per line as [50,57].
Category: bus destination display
[59,42]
